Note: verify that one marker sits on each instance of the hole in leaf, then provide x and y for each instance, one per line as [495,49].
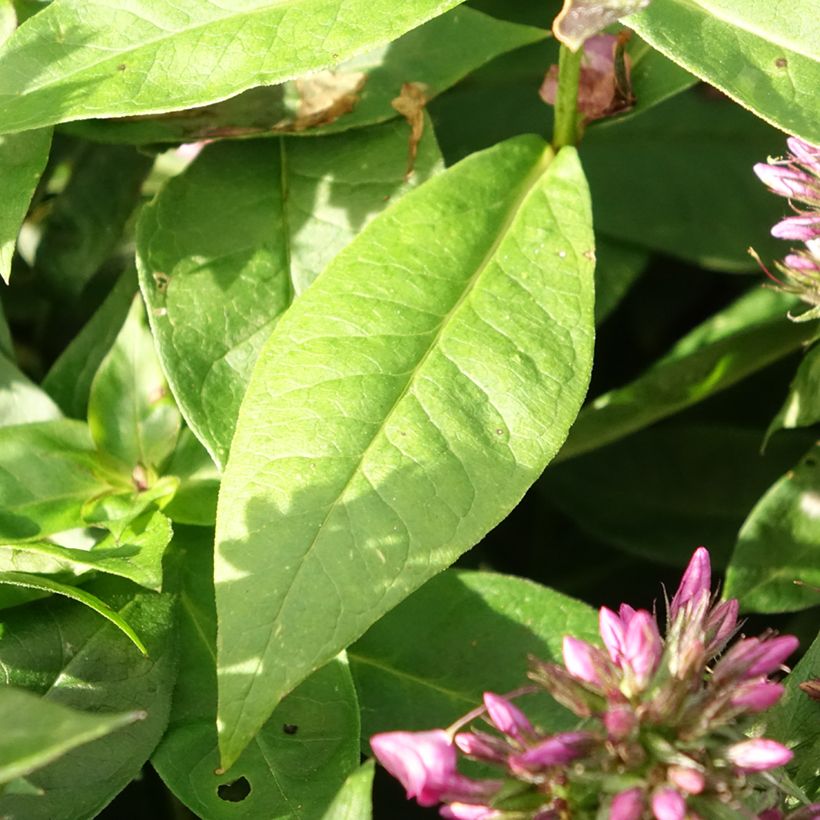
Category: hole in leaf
[235,791]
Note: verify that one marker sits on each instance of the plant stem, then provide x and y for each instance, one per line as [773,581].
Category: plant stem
[565,130]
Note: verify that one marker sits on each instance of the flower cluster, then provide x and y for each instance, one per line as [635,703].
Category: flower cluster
[660,732]
[797,177]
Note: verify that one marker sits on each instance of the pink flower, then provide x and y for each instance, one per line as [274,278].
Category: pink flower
[696,581]
[482,747]
[686,779]
[627,805]
[804,152]
[757,696]
[753,658]
[721,624]
[758,755]
[787,181]
[583,661]
[642,647]
[554,751]
[803,228]
[611,628]
[508,719]
[667,804]
[620,721]
[467,811]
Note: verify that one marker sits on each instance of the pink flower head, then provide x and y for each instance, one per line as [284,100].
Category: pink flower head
[642,647]
[508,719]
[627,805]
[803,228]
[758,755]
[696,581]
[667,804]
[583,661]
[554,751]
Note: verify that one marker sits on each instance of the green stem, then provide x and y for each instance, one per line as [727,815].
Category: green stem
[565,131]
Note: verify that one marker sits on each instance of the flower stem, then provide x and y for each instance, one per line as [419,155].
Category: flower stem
[565,130]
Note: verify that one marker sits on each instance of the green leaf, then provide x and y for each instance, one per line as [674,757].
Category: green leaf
[399,411]
[428,661]
[131,414]
[705,205]
[795,721]
[617,267]
[37,731]
[22,160]
[87,219]
[194,501]
[677,487]
[136,554]
[44,584]
[802,405]
[215,290]
[300,757]
[47,471]
[769,63]
[436,55]
[154,57]
[779,545]
[8,20]
[737,341]
[22,401]
[68,381]
[61,651]
[354,800]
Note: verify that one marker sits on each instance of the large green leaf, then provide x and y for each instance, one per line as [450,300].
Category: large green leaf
[215,289]
[399,411]
[737,341]
[795,721]
[662,492]
[37,731]
[68,381]
[87,219]
[22,160]
[802,405]
[428,661]
[22,401]
[109,58]
[61,651]
[767,60]
[131,414]
[678,179]
[47,471]
[436,55]
[779,545]
[300,757]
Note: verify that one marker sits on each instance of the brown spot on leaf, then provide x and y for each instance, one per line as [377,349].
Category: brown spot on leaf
[161,281]
[323,98]
[121,67]
[410,104]
[812,688]
[781,62]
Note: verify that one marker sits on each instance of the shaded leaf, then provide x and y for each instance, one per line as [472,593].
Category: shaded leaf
[68,381]
[298,760]
[617,268]
[428,661]
[737,341]
[779,545]
[94,669]
[131,414]
[767,62]
[215,290]
[155,57]
[399,410]
[22,160]
[354,801]
[37,731]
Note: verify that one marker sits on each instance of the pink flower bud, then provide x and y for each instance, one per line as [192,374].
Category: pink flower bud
[466,811]
[696,581]
[721,624]
[753,658]
[802,262]
[627,805]
[803,228]
[642,647]
[787,181]
[482,746]
[667,804]
[583,661]
[612,633]
[625,612]
[757,696]
[620,721]
[688,780]
[554,751]
[773,653]
[805,153]
[508,719]
[758,755]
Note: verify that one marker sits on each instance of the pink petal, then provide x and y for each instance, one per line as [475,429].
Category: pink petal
[802,228]
[696,581]
[759,755]
[612,633]
[582,660]
[642,646]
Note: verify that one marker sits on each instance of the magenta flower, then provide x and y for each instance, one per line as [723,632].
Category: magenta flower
[803,228]
[584,662]
[554,751]
[759,755]
[508,719]
[696,581]
[667,804]
[627,805]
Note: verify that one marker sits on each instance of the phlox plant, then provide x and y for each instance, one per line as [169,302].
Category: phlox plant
[370,374]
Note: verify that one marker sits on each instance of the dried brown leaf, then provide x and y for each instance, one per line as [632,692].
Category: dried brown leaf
[410,104]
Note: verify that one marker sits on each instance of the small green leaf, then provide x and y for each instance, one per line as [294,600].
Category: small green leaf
[215,289]
[65,653]
[86,220]
[354,800]
[37,731]
[776,563]
[436,55]
[739,340]
[48,471]
[428,661]
[400,410]
[768,62]
[300,757]
[802,405]
[22,160]
[22,401]
[154,56]
[131,413]
[44,584]
[68,381]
